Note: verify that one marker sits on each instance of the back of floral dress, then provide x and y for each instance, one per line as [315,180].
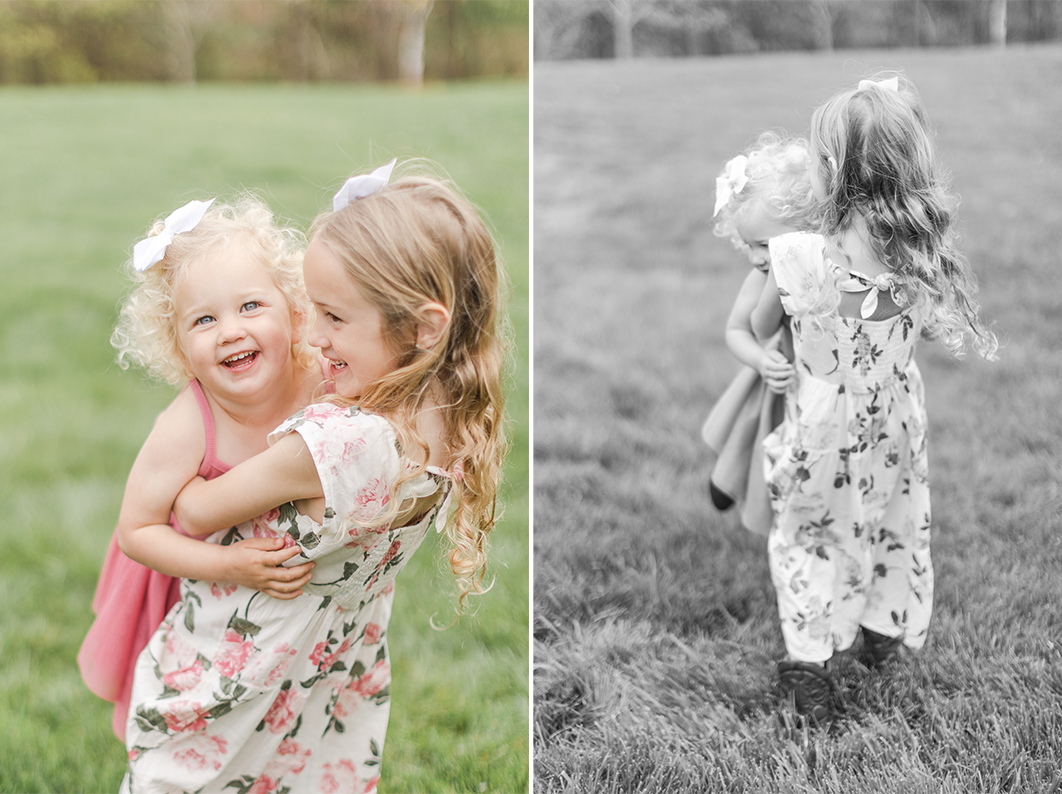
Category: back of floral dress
[847,469]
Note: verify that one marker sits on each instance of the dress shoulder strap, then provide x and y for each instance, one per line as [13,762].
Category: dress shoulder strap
[211,466]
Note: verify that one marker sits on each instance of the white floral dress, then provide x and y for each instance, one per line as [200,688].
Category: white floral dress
[239,692]
[847,469]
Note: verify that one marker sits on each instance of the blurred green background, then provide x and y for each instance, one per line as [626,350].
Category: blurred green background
[85,169]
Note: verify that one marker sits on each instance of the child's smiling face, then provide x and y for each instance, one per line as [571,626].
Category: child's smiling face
[753,227]
[348,329]
[234,325]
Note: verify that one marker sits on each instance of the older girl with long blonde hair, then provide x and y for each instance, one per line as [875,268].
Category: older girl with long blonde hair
[848,470]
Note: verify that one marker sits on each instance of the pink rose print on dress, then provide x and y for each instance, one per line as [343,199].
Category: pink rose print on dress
[184,716]
[374,680]
[264,785]
[372,498]
[318,413]
[263,526]
[342,778]
[365,537]
[182,664]
[325,660]
[232,653]
[202,751]
[347,699]
[289,759]
[372,633]
[388,556]
[285,709]
[220,591]
[343,455]
[184,678]
[266,669]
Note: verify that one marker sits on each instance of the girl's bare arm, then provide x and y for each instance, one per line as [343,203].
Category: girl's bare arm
[170,457]
[283,473]
[768,313]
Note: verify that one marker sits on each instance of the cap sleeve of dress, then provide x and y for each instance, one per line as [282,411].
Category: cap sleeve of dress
[356,457]
[799,271]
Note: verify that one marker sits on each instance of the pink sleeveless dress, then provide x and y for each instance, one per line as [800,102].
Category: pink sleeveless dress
[131,601]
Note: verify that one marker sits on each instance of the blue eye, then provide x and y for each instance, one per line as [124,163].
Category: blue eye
[250,306]
[206,318]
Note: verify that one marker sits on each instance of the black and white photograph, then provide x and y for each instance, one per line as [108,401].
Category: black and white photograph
[796,386]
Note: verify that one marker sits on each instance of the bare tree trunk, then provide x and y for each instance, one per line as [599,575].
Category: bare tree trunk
[180,40]
[311,60]
[622,29]
[824,9]
[411,41]
[997,22]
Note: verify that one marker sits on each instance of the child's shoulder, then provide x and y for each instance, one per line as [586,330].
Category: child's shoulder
[794,244]
[799,269]
[178,435]
[182,415]
[337,422]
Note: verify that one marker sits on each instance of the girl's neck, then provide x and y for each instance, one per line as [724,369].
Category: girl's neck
[427,423]
[261,416]
[851,249]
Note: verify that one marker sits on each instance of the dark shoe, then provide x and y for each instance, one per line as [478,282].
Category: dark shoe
[879,650]
[811,689]
[719,499]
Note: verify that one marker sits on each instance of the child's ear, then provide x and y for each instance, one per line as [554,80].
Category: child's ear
[432,321]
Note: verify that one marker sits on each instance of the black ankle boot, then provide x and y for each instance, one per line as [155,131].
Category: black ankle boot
[721,500]
[879,650]
[811,688]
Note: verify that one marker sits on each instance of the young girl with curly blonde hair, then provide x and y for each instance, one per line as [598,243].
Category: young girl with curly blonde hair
[847,470]
[217,305]
[248,692]
[761,194]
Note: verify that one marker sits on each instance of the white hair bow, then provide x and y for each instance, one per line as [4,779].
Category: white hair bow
[857,282]
[889,84]
[730,183]
[361,186]
[150,250]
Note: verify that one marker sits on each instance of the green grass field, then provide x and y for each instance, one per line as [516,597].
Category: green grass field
[655,626]
[84,172]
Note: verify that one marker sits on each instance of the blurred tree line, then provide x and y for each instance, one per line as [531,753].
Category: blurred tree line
[52,41]
[567,29]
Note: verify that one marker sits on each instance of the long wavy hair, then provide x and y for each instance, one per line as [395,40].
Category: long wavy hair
[875,153]
[777,171]
[145,334]
[418,241]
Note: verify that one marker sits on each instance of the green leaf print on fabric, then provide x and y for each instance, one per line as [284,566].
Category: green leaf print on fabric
[149,719]
[243,626]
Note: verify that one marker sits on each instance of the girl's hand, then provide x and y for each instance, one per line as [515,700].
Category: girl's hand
[776,371]
[256,563]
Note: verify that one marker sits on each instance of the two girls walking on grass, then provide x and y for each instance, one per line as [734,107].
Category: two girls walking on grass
[847,470]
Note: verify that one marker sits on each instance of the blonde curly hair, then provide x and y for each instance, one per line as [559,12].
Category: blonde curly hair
[146,333]
[419,241]
[777,172]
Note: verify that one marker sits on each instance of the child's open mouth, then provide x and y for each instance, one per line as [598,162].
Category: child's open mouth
[336,366]
[240,361]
